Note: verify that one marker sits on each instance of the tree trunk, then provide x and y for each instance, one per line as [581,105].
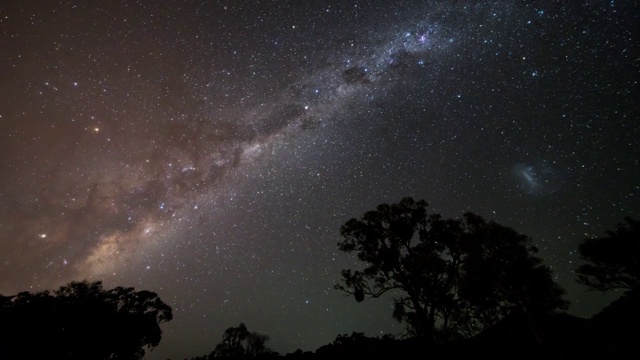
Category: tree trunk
[426,319]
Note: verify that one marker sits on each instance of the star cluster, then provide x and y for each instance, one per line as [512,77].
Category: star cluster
[210,150]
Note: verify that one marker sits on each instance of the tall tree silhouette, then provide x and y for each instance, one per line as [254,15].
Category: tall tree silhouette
[613,261]
[450,277]
[501,275]
[81,320]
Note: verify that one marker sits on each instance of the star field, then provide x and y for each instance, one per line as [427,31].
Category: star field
[210,150]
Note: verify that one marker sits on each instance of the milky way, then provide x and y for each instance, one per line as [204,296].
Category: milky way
[210,151]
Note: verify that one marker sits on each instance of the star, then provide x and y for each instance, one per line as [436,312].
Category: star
[220,148]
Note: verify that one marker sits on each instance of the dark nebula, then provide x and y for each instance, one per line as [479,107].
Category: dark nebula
[210,150]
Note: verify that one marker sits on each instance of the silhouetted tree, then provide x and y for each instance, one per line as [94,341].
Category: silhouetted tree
[359,346]
[81,320]
[501,274]
[613,261]
[240,342]
[450,277]
[616,327]
[256,344]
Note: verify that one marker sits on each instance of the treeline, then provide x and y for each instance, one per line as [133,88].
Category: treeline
[612,333]
[463,287]
[81,320]
[471,287]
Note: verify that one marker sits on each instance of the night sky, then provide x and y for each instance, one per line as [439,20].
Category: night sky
[210,150]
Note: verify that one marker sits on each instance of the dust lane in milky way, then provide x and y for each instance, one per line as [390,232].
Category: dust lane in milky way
[210,150]
[129,200]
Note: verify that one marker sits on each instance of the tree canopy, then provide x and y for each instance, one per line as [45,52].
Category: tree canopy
[81,320]
[449,277]
[238,342]
[612,261]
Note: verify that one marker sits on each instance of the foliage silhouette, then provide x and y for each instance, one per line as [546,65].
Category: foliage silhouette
[81,320]
[506,297]
[616,327]
[359,346]
[613,261]
[451,278]
[239,342]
